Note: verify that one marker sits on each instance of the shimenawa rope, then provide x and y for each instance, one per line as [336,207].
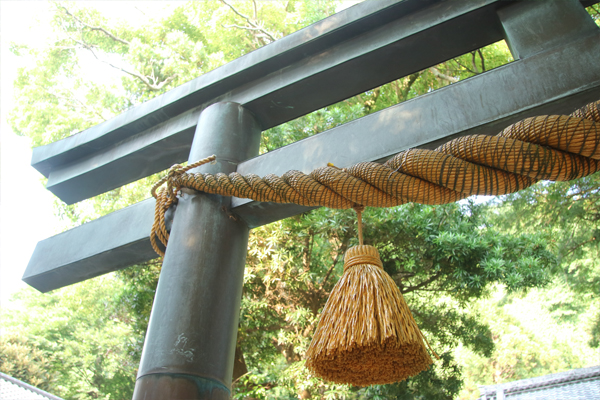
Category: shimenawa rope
[366,333]
[554,147]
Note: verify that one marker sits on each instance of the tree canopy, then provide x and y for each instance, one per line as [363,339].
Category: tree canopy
[86,340]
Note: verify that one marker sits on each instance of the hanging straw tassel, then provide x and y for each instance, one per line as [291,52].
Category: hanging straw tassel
[366,335]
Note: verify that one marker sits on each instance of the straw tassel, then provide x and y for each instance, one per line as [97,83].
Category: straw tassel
[366,334]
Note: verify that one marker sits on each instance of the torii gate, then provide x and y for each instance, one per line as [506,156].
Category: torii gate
[190,343]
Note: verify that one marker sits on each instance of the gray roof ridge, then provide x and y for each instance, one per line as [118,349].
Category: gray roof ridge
[545,381]
[29,387]
[558,379]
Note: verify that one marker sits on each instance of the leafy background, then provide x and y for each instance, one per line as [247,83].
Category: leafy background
[504,289]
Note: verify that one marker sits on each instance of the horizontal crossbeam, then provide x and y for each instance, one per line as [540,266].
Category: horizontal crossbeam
[351,52]
[107,244]
[484,104]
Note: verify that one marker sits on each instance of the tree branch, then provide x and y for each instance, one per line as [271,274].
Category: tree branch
[255,7]
[340,251]
[473,62]
[252,24]
[81,104]
[249,28]
[578,245]
[412,78]
[482,60]
[581,192]
[408,289]
[95,28]
[464,66]
[146,79]
[436,72]
[149,80]
[370,103]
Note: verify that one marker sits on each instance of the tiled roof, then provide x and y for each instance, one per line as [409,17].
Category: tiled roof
[576,384]
[14,389]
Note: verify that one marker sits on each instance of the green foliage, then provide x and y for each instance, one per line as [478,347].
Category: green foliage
[58,96]
[439,256]
[594,11]
[532,337]
[450,241]
[136,298]
[567,215]
[25,361]
[159,55]
[80,337]
[554,329]
[443,258]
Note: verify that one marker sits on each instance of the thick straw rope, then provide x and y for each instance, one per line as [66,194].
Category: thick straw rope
[555,147]
[366,334]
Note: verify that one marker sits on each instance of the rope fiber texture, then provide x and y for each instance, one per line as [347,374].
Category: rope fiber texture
[366,334]
[550,147]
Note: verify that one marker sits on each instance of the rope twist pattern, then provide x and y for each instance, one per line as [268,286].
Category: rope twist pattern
[554,147]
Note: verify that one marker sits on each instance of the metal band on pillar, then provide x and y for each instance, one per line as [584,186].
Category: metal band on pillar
[190,344]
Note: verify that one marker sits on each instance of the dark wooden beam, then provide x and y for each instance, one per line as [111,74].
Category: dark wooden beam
[554,82]
[351,52]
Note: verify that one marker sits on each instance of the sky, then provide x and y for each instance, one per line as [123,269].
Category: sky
[26,207]
[27,212]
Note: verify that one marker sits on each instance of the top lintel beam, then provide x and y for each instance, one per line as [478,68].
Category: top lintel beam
[350,52]
[221,80]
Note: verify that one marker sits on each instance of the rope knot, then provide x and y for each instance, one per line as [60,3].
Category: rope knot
[166,197]
[175,171]
[362,254]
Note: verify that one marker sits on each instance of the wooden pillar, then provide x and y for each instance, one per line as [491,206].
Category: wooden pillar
[190,343]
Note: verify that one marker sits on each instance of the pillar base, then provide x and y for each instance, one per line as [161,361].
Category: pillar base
[178,387]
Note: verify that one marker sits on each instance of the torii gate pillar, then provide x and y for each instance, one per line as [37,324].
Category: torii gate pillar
[190,343]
